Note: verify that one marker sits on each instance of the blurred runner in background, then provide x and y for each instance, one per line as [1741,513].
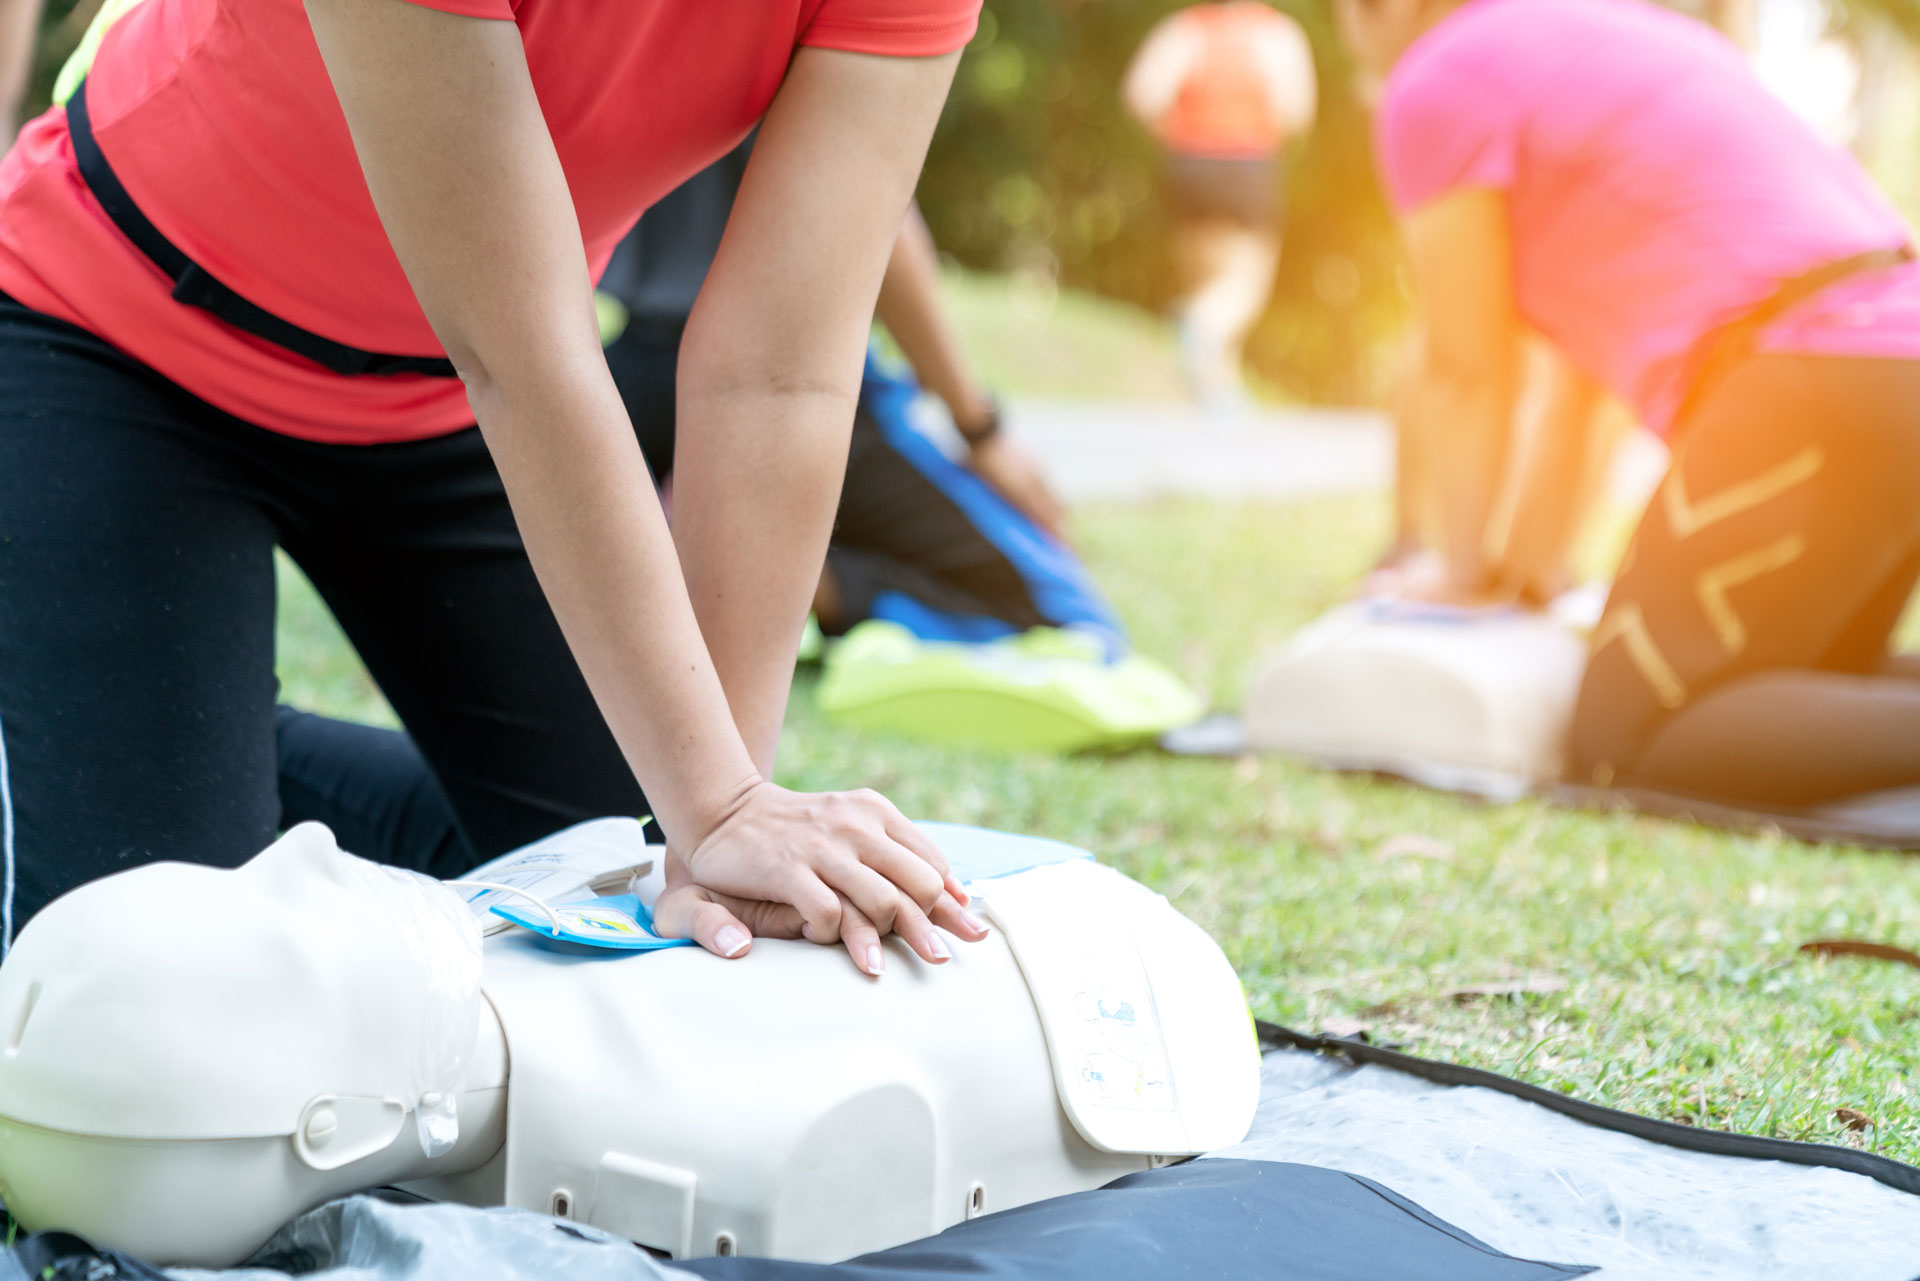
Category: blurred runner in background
[1224,87]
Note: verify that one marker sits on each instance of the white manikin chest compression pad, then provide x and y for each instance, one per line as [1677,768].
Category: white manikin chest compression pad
[1539,1185]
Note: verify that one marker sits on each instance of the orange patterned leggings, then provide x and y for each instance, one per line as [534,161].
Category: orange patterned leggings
[1745,653]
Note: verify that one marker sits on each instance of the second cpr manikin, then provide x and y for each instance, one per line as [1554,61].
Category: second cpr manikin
[192,1056]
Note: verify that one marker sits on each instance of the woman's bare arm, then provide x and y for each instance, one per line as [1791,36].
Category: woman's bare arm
[1558,479]
[463,172]
[770,364]
[1461,401]
[911,309]
[909,306]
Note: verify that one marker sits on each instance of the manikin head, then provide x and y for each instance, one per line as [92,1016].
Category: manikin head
[230,1047]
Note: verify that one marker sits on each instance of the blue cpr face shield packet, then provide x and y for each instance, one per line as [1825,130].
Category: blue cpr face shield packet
[618,921]
[576,886]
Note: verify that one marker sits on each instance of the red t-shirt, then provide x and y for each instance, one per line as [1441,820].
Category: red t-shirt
[220,120]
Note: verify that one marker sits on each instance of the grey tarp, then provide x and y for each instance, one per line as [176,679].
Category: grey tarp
[1196,1222]
[1306,1196]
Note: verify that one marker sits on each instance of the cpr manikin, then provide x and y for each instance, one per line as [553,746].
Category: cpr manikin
[192,1056]
[1470,700]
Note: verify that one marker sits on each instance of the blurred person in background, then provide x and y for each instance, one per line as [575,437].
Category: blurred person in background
[911,522]
[1614,176]
[1223,88]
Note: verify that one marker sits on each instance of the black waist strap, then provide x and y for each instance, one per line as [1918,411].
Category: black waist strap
[193,285]
[1724,347]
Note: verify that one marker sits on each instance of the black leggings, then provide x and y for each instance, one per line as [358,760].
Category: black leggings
[137,528]
[1744,653]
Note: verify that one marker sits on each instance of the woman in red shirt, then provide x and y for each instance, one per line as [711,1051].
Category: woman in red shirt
[259,282]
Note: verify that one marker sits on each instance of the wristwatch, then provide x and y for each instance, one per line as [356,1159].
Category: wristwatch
[984,429]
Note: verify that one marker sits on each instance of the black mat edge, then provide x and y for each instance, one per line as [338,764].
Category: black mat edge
[1881,1169]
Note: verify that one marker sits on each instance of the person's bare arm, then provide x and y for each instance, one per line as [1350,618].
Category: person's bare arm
[19,36]
[1557,484]
[1159,67]
[911,309]
[1285,56]
[770,366]
[463,172]
[1461,401]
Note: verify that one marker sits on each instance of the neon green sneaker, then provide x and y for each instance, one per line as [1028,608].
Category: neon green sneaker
[1046,690]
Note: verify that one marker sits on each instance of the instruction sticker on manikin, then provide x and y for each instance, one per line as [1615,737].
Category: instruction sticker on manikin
[1095,1000]
[1114,1043]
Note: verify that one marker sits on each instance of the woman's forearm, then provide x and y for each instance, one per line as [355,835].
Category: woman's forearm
[1555,490]
[769,369]
[1467,423]
[1461,406]
[911,310]
[599,543]
[753,510]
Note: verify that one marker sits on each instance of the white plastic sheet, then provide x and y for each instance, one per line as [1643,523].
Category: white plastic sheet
[1540,1185]
[366,1239]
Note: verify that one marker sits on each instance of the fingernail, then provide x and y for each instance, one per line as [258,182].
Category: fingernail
[876,960]
[959,891]
[732,940]
[939,949]
[979,926]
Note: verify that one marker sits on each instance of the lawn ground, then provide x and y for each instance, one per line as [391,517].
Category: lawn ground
[1639,963]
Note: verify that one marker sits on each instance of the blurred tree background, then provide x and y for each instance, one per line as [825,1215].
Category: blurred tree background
[1037,170]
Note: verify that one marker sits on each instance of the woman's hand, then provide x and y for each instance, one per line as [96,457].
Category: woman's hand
[1021,480]
[842,867]
[1407,572]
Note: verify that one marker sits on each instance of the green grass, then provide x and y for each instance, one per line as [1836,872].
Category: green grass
[1353,901]
[1028,338]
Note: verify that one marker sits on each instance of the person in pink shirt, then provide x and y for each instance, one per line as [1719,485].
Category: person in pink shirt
[1612,175]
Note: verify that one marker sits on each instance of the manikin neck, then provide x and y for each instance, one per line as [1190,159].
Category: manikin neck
[483,1119]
